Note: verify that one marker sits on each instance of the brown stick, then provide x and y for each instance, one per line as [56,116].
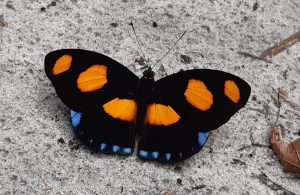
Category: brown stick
[252,56]
[279,47]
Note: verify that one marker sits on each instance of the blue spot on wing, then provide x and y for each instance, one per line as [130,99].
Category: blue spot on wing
[127,150]
[75,118]
[168,156]
[115,148]
[172,156]
[102,146]
[73,113]
[143,153]
[155,155]
[202,138]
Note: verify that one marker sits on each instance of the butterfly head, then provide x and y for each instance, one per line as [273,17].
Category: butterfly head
[148,74]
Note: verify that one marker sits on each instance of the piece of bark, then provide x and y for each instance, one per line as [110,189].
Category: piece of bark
[289,155]
[169,192]
[2,22]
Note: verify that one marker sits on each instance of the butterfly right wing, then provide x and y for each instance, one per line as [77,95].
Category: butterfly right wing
[185,107]
[100,93]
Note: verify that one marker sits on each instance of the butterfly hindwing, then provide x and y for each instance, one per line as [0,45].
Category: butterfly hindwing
[102,133]
[198,101]
[100,93]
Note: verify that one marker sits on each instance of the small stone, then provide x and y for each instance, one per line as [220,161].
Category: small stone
[198,187]
[113,24]
[255,6]
[185,59]
[61,141]
[179,181]
[177,168]
[224,189]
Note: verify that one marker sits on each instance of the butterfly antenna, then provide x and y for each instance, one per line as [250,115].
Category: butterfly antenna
[169,50]
[131,24]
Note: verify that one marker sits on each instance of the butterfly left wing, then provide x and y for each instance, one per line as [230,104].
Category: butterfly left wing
[186,106]
[100,93]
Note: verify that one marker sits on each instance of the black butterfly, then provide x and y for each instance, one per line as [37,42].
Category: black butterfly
[110,106]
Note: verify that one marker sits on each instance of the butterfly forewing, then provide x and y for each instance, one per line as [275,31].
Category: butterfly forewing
[90,80]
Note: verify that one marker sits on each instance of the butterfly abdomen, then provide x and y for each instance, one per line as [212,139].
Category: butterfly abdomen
[143,98]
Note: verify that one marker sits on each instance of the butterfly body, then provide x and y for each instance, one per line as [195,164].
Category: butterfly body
[111,107]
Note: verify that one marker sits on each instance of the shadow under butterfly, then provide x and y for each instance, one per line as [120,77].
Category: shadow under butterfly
[111,106]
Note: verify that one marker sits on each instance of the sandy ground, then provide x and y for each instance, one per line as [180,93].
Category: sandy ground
[37,154]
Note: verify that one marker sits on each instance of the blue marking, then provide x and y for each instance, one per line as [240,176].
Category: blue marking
[168,156]
[73,113]
[206,134]
[180,155]
[143,153]
[155,154]
[127,150]
[75,118]
[102,146]
[202,138]
[115,148]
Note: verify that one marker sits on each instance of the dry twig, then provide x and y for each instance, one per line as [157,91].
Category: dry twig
[253,56]
[286,43]
[272,185]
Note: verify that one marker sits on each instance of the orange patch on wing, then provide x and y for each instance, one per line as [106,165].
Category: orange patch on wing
[158,114]
[92,79]
[62,64]
[198,95]
[232,91]
[123,109]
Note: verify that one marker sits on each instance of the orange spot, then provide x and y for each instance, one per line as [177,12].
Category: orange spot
[92,79]
[123,109]
[62,64]
[158,114]
[198,95]
[232,91]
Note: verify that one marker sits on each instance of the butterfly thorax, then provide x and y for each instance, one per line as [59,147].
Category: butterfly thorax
[148,74]
[144,97]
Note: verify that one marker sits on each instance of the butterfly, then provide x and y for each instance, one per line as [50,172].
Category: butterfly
[170,118]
